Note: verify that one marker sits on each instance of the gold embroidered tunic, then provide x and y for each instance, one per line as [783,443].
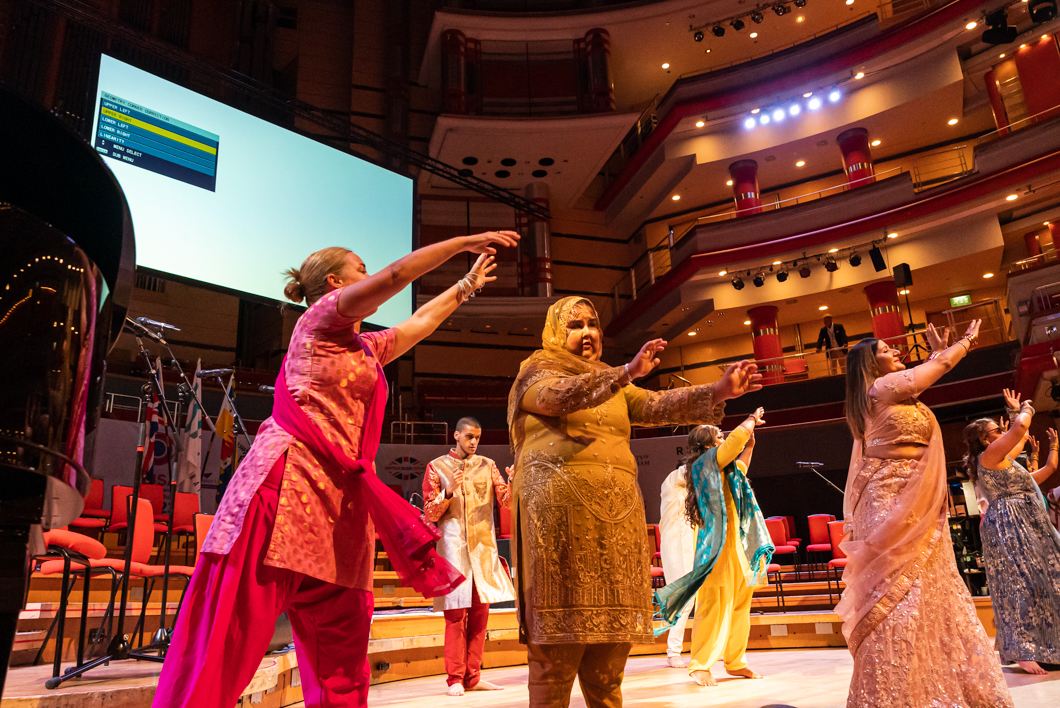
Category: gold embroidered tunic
[579,542]
[465,521]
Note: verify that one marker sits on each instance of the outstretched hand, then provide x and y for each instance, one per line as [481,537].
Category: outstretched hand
[937,340]
[484,265]
[646,359]
[972,333]
[740,378]
[758,416]
[1012,399]
[484,242]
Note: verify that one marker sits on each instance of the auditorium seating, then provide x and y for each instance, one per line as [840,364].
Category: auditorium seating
[839,560]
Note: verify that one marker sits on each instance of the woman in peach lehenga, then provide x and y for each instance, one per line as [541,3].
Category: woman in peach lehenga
[908,619]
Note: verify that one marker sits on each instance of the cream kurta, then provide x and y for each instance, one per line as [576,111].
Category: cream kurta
[678,537]
[466,523]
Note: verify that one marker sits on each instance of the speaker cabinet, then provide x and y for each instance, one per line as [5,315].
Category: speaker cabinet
[903,277]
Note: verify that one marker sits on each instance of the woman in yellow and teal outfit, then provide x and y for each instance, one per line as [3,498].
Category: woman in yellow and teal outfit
[733,549]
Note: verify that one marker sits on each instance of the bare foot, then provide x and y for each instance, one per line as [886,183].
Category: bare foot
[703,678]
[486,686]
[1031,667]
[455,690]
[744,673]
[677,662]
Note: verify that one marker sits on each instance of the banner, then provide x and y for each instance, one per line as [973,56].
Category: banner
[189,464]
[226,429]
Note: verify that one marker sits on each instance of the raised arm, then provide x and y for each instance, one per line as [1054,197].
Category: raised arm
[1044,473]
[748,450]
[993,457]
[360,299]
[900,385]
[736,442]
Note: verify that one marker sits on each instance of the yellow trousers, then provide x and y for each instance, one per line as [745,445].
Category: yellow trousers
[599,668]
[723,607]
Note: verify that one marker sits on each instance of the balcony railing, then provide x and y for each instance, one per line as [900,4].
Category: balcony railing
[1027,122]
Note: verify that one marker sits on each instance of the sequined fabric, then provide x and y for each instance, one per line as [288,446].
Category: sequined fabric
[926,646]
[1021,554]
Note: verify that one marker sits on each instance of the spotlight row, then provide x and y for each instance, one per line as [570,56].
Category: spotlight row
[737,23]
[831,264]
[777,114]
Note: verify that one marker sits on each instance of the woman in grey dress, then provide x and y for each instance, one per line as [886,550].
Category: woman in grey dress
[1021,549]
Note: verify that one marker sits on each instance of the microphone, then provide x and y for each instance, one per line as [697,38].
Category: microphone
[140,331]
[266,389]
[211,373]
[147,321]
[810,464]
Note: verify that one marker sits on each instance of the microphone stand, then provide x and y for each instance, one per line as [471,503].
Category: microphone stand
[812,466]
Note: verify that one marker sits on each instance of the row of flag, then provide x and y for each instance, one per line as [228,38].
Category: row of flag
[188,467]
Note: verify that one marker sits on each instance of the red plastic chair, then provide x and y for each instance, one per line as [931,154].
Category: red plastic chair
[774,568]
[789,524]
[119,508]
[202,526]
[839,559]
[505,515]
[94,501]
[156,494]
[779,535]
[185,507]
[819,539]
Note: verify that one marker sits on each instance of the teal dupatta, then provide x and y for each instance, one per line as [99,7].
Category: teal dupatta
[710,540]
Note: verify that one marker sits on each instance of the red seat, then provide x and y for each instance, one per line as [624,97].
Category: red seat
[156,494]
[185,507]
[789,525]
[202,526]
[94,501]
[779,535]
[774,568]
[119,507]
[839,559]
[819,540]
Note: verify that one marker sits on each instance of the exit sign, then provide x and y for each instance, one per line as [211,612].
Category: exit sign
[960,300]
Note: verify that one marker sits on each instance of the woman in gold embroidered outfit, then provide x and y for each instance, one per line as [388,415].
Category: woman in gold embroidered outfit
[583,587]
[908,619]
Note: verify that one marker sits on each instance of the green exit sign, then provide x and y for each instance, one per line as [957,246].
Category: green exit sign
[960,300]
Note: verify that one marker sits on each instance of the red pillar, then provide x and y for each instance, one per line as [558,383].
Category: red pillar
[1051,239]
[765,336]
[886,311]
[1038,66]
[744,175]
[997,106]
[857,157]
[599,88]
[1033,247]
[454,72]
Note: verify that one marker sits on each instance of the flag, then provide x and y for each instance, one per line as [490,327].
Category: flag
[226,429]
[189,463]
[151,424]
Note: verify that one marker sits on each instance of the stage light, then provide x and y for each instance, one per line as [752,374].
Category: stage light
[718,31]
[700,124]
[764,118]
[754,35]
[830,265]
[698,36]
[799,3]
[782,275]
[804,272]
[795,109]
[834,96]
[737,282]
[1042,10]
[999,31]
[737,24]
[759,280]
[778,115]
[855,259]
[814,104]
[780,10]
[757,17]
[749,123]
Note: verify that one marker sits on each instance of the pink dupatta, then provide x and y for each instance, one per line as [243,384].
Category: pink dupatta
[408,540]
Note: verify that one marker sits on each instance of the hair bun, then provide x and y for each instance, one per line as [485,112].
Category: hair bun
[294,291]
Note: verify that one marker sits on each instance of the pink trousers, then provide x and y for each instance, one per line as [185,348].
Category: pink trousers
[229,614]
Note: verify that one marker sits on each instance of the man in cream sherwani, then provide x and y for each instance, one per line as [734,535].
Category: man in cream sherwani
[678,553]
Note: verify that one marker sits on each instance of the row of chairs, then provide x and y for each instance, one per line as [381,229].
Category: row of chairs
[74,556]
[825,536]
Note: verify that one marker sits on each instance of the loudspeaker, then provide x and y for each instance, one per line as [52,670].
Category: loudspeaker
[903,278]
[877,259]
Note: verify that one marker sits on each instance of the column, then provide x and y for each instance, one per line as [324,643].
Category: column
[744,175]
[857,157]
[1038,66]
[765,336]
[886,311]
[536,245]
[454,72]
[599,90]
[997,105]
[1033,247]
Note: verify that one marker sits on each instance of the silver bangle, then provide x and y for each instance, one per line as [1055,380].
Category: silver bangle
[629,376]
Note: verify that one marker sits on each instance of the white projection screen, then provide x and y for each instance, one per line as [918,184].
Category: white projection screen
[223,198]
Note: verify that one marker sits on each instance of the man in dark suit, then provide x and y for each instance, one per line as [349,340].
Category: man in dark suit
[833,339]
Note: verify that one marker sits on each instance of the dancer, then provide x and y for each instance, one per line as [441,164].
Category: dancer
[583,586]
[293,531]
[901,577]
[1021,549]
[677,548]
[458,493]
[733,550]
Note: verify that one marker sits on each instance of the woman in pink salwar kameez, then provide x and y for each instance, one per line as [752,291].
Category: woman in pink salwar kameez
[294,531]
[908,618]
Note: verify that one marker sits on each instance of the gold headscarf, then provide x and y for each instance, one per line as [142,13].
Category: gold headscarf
[553,358]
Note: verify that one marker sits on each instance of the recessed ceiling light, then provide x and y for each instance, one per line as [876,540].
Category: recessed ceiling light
[776,262]
[823,307]
[1045,36]
[903,292]
[676,197]
[700,124]
[952,121]
[800,163]
[850,2]
[971,25]
[691,334]
[755,110]
[859,75]
[754,35]
[666,66]
[724,272]
[893,234]
[1001,56]
[875,143]
[833,250]
[800,18]
[1012,197]
[1046,223]
[1023,46]
[729,183]
[807,94]
[988,275]
[747,322]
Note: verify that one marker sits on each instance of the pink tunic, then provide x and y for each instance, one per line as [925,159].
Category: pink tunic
[320,531]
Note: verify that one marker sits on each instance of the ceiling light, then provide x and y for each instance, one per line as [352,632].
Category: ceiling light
[1045,223]
[764,118]
[676,197]
[834,96]
[823,308]
[778,115]
[755,110]
[1012,197]
[903,292]
[759,280]
[1045,36]
[833,250]
[718,31]
[830,265]
[749,123]
[971,25]
[998,31]
[757,17]
[782,275]
[988,275]
[860,75]
[893,234]
[729,184]
[807,94]
[794,110]
[850,2]
[952,121]
[724,272]
[691,334]
[700,124]
[754,35]
[855,259]
[800,163]
[737,24]
[804,272]
[737,282]
[747,322]
[780,10]
[776,262]
[799,3]
[814,104]
[800,18]
[1001,56]
[1023,46]
[1042,10]
[666,66]
[698,36]
[875,143]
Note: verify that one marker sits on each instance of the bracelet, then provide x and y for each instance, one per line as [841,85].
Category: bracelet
[629,376]
[967,343]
